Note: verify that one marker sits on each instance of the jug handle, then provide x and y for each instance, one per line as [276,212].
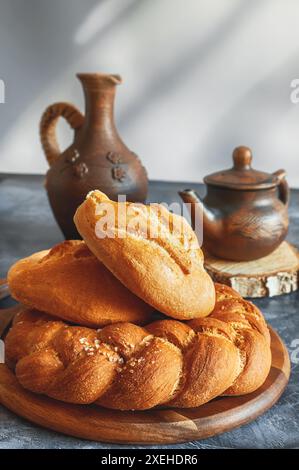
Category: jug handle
[48,127]
[283,187]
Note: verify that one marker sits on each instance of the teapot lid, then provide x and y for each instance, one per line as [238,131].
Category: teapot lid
[241,176]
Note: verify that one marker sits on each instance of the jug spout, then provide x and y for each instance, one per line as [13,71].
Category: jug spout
[201,213]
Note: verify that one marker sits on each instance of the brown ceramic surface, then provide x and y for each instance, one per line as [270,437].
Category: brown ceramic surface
[245,212]
[97,159]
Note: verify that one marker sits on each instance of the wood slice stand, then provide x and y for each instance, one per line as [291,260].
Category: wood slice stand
[275,274]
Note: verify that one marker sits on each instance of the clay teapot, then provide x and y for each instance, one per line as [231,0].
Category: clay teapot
[244,212]
[97,159]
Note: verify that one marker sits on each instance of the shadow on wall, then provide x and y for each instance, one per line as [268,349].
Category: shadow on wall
[273,118]
[197,81]
[44,46]
[175,76]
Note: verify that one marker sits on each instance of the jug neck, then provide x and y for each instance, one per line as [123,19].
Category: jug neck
[99,92]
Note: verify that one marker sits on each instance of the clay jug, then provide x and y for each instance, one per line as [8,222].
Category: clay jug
[97,158]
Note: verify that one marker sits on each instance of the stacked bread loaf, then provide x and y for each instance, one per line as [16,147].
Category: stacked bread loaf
[94,325]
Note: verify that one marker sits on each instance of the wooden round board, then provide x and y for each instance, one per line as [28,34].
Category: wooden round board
[159,426]
[274,274]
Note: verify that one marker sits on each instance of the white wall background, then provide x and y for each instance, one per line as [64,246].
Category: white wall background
[200,77]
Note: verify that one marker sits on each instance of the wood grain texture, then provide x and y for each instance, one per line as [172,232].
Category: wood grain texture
[151,427]
[275,274]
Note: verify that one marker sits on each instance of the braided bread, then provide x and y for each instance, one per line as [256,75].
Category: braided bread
[124,366]
[153,252]
[69,282]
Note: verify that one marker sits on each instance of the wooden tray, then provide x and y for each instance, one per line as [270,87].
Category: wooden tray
[163,426]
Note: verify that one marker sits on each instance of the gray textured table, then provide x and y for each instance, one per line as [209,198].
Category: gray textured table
[27,225]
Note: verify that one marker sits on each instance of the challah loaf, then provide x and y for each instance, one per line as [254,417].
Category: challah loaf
[69,282]
[124,366]
[153,252]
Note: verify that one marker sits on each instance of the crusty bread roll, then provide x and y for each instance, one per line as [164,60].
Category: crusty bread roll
[125,366]
[69,282]
[151,251]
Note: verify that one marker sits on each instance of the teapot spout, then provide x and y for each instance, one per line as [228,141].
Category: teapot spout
[200,213]
[193,204]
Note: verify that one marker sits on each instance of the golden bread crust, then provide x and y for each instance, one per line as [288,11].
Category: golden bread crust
[69,282]
[125,366]
[162,265]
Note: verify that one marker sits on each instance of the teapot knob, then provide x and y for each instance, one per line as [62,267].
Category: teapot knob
[242,158]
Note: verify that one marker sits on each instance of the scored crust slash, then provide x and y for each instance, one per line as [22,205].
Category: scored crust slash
[161,270]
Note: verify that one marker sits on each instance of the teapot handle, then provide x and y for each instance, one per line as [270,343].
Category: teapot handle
[48,127]
[283,187]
